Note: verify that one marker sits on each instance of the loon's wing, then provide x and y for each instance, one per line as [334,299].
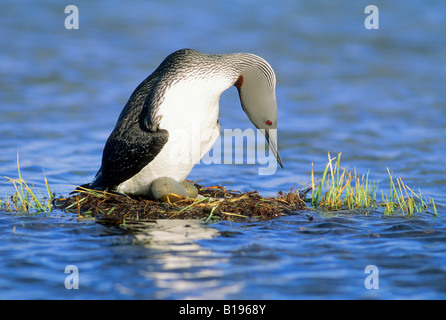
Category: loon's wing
[136,139]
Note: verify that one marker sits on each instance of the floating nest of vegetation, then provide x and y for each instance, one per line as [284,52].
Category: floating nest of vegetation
[212,204]
[338,190]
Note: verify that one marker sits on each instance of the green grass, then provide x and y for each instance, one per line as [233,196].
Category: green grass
[403,199]
[26,199]
[340,189]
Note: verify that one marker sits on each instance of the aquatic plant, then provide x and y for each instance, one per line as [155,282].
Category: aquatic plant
[404,200]
[25,199]
[337,189]
[340,189]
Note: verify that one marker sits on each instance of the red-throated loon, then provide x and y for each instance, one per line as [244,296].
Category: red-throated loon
[171,120]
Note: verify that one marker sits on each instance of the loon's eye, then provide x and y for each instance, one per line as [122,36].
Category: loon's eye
[268,122]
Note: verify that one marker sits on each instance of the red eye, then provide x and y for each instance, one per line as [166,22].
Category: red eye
[268,122]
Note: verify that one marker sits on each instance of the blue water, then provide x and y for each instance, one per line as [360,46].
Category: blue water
[377,96]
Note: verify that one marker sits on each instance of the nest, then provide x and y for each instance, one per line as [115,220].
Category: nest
[213,204]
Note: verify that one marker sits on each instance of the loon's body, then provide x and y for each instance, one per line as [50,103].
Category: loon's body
[171,120]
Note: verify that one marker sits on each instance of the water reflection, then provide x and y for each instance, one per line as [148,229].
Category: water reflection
[183,267]
[171,234]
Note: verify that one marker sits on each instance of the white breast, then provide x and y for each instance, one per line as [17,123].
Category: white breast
[189,112]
